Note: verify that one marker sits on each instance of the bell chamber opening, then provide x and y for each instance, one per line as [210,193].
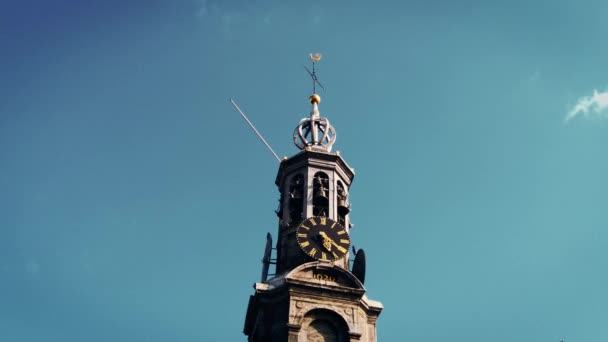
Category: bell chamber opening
[320,200]
[342,203]
[296,199]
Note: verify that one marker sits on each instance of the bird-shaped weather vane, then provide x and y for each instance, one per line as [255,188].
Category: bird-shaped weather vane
[314,59]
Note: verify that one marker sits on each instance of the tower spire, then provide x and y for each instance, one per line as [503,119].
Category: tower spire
[313,293]
[314,132]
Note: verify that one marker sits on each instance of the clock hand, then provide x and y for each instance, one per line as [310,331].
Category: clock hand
[328,239]
[340,248]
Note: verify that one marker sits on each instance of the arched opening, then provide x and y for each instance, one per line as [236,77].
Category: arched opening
[320,200]
[321,330]
[296,199]
[342,203]
[321,325]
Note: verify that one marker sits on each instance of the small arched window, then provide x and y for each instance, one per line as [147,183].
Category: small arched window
[342,203]
[296,199]
[320,200]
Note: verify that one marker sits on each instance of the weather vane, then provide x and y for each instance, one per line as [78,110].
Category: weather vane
[314,58]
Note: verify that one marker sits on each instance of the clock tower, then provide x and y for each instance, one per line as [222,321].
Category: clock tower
[314,294]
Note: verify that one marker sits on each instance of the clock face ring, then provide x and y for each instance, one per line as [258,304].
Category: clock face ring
[323,238]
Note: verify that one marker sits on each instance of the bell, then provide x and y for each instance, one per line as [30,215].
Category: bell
[321,195]
[343,207]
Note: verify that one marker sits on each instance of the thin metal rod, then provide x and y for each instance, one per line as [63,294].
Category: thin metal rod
[314,79]
[255,130]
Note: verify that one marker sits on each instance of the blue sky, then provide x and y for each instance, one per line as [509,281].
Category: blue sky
[134,201]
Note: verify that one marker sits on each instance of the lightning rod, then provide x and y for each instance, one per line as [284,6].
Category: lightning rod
[255,130]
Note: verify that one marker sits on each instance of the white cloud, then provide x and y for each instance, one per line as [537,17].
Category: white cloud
[595,104]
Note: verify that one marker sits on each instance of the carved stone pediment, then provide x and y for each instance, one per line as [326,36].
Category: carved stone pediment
[325,275]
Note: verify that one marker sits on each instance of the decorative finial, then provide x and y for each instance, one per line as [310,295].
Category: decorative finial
[314,132]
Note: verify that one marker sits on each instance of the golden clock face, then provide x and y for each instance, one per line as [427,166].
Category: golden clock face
[323,238]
